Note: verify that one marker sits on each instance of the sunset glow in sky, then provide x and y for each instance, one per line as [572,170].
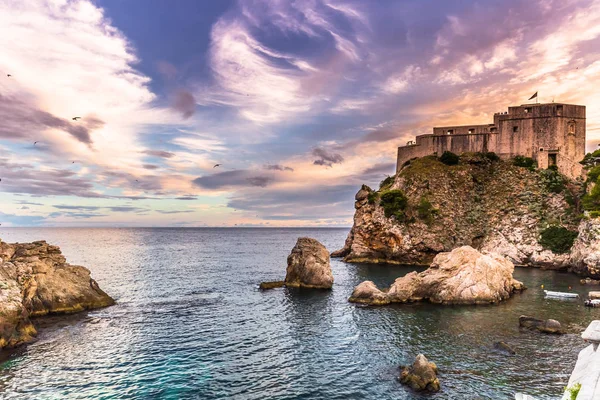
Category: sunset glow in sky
[301,101]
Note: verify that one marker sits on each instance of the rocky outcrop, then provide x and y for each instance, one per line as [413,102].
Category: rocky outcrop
[491,205]
[421,375]
[36,280]
[585,253]
[308,267]
[462,276]
[544,326]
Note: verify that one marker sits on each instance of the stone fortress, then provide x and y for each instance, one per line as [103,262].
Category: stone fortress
[551,134]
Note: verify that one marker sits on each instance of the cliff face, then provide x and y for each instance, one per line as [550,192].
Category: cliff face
[489,204]
[36,280]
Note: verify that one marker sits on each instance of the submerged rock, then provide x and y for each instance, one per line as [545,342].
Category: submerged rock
[505,347]
[544,326]
[271,285]
[462,276]
[36,280]
[308,267]
[421,375]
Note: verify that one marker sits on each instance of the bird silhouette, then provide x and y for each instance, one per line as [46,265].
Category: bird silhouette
[34,143]
[217,165]
[9,75]
[76,118]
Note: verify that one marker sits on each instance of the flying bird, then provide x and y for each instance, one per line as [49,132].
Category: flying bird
[76,118]
[34,143]
[217,165]
[9,75]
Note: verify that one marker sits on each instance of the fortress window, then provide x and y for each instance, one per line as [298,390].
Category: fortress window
[450,132]
[571,128]
[494,129]
[528,110]
[471,131]
[515,129]
[541,149]
[559,110]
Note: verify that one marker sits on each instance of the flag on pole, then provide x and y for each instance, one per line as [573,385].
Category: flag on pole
[533,97]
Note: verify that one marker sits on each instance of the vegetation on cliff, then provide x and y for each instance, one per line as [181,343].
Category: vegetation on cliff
[481,201]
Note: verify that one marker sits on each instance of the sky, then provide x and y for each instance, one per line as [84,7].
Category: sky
[300,102]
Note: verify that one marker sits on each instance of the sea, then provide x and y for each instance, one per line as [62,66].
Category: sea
[191,323]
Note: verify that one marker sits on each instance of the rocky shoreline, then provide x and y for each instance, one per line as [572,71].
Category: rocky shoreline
[36,280]
[492,205]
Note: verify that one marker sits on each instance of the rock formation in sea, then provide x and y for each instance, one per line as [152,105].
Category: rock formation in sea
[541,325]
[307,266]
[462,276]
[530,216]
[421,375]
[36,280]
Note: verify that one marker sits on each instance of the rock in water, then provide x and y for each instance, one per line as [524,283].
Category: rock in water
[585,253]
[367,293]
[421,375]
[36,280]
[544,326]
[462,276]
[505,347]
[308,265]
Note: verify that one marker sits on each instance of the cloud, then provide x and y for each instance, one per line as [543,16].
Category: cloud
[278,167]
[235,178]
[150,166]
[174,211]
[184,103]
[186,198]
[326,158]
[158,153]
[381,168]
[21,119]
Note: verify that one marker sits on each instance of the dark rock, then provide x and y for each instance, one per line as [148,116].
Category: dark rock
[271,285]
[421,375]
[544,326]
[505,347]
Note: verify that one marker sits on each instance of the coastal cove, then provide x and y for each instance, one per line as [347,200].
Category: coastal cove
[190,322]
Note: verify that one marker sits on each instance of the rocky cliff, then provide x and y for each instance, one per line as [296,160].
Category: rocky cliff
[36,280]
[503,206]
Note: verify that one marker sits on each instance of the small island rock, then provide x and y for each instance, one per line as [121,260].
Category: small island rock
[421,375]
[504,347]
[308,267]
[36,280]
[462,276]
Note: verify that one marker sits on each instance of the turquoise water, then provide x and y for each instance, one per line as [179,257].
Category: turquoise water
[190,323]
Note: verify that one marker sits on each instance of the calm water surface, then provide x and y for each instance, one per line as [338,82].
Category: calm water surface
[190,323]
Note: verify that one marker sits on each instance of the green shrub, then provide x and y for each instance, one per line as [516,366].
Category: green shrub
[591,200]
[394,203]
[593,174]
[372,197]
[425,210]
[553,180]
[387,182]
[490,155]
[449,158]
[558,239]
[574,391]
[525,162]
[594,214]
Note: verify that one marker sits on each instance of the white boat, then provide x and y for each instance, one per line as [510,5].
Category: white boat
[592,303]
[563,295]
